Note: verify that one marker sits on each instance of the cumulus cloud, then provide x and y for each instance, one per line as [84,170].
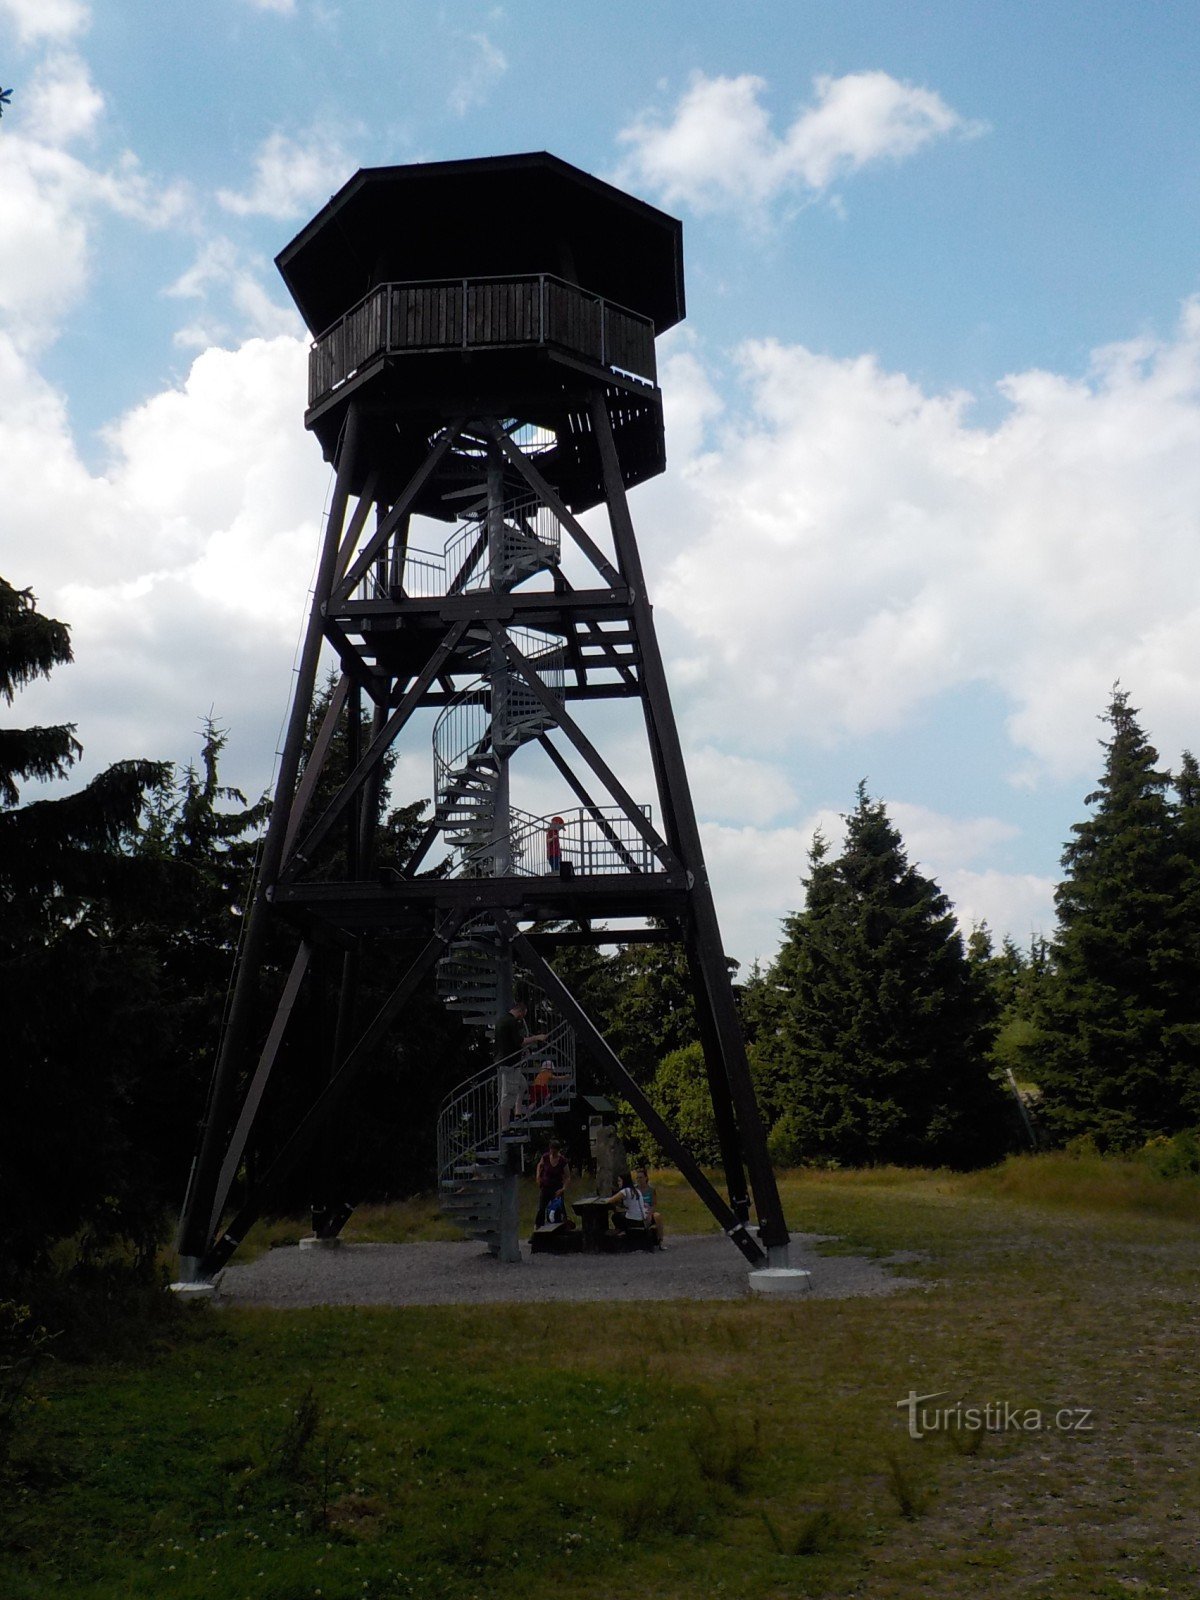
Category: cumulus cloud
[38,20]
[716,149]
[875,550]
[729,787]
[50,199]
[484,65]
[182,568]
[61,103]
[290,177]
[1017,904]
[229,290]
[757,874]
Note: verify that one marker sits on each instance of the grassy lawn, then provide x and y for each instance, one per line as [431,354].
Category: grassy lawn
[748,1449]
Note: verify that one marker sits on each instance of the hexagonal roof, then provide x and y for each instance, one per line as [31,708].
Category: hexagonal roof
[494,217]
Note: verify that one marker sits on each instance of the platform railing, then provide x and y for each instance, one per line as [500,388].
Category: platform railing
[481,313]
[592,843]
[531,541]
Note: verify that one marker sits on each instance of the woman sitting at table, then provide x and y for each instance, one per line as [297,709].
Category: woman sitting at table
[629,1199]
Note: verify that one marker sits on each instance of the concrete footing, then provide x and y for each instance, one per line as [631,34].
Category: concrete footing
[313,1243]
[199,1290]
[780,1280]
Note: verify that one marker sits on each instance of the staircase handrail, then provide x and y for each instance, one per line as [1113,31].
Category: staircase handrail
[523,516]
[456,1143]
[473,706]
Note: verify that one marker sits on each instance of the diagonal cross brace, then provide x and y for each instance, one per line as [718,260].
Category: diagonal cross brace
[399,510]
[258,1085]
[376,750]
[356,524]
[522,464]
[610,1063]
[590,805]
[306,788]
[328,1100]
[563,719]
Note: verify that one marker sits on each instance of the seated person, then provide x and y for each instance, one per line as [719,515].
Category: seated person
[645,1188]
[629,1199]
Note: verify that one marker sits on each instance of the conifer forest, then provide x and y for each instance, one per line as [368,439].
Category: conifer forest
[881,1033]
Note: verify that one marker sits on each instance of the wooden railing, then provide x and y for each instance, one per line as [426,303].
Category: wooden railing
[480,313]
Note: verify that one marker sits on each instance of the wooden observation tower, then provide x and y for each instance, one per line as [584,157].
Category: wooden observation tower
[483,363]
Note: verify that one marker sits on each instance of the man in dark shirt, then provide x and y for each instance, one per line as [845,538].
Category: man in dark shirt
[511,1043]
[511,1033]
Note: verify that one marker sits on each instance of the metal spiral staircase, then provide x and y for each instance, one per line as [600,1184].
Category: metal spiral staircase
[474,1151]
[473,740]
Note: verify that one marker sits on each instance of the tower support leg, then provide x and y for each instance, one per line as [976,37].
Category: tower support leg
[683,834]
[194,1233]
[611,1065]
[302,1139]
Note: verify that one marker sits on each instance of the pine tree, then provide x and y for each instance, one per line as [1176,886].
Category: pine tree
[56,856]
[885,1023]
[80,1016]
[1113,1057]
[198,846]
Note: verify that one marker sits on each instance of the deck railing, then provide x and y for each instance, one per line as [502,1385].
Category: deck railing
[592,843]
[481,313]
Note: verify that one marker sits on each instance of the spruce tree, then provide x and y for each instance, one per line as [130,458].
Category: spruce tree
[885,1023]
[59,857]
[81,1014]
[1113,1053]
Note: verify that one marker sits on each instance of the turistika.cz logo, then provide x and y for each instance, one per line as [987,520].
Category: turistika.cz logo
[996,1416]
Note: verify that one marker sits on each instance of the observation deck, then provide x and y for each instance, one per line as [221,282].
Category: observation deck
[510,286]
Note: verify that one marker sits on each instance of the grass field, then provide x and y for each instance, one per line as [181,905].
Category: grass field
[746,1449]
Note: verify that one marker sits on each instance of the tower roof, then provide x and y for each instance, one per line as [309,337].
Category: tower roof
[492,217]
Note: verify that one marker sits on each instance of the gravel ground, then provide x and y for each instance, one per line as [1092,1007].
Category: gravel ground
[700,1267]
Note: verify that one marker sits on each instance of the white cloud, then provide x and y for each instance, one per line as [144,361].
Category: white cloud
[756,879]
[484,66]
[729,787]
[50,200]
[290,177]
[285,8]
[36,20]
[935,841]
[183,567]
[947,849]
[222,273]
[757,875]
[717,149]
[851,548]
[1019,904]
[61,103]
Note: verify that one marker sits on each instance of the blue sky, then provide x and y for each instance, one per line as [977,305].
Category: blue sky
[933,419]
